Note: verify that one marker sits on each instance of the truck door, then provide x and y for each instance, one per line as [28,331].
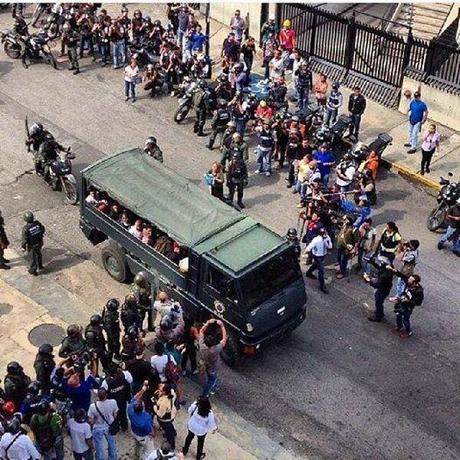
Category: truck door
[220,293]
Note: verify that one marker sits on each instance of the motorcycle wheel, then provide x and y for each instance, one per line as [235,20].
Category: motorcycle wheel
[436,218]
[70,191]
[181,113]
[12,50]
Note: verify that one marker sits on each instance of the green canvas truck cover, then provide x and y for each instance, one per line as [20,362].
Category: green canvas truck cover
[161,196]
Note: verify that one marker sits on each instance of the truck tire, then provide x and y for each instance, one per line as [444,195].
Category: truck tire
[231,354]
[114,262]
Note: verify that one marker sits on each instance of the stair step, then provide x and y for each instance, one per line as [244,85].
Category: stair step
[442,15]
[439,21]
[438,7]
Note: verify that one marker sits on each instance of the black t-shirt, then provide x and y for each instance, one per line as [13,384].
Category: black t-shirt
[140,369]
[454,211]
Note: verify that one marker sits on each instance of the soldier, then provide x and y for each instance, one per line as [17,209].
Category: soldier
[237,176]
[73,344]
[199,104]
[31,402]
[130,343]
[36,136]
[32,242]
[95,339]
[4,243]
[151,148]
[219,122]
[237,146]
[142,290]
[44,365]
[16,383]
[228,134]
[71,39]
[111,325]
[130,313]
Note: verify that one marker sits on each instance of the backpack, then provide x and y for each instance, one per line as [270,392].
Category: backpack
[44,435]
[172,371]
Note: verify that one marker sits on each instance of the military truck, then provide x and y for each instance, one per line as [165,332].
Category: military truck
[232,267]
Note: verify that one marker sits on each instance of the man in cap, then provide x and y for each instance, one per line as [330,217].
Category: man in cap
[32,242]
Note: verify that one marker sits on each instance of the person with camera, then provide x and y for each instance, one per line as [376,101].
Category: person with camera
[141,422]
[382,282]
[411,297]
[318,248]
[102,415]
[345,173]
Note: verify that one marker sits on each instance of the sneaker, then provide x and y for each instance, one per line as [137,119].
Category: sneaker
[324,290]
[427,170]
[268,174]
[440,245]
[134,100]
[405,335]
[407,144]
[374,319]
[411,151]
[241,205]
[195,372]
[393,299]
[127,99]
[257,171]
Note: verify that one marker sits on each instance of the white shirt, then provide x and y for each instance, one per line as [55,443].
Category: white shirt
[159,363]
[131,73]
[319,246]
[128,377]
[79,433]
[200,425]
[21,449]
[109,408]
[349,173]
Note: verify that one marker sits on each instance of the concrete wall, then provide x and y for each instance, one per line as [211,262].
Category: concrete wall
[443,107]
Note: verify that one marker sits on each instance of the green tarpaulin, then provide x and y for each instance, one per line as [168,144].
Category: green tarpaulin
[161,196]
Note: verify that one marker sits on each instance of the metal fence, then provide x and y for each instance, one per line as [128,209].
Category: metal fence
[357,53]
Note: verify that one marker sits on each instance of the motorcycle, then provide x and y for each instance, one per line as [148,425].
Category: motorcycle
[60,177]
[360,151]
[145,52]
[32,47]
[447,196]
[186,101]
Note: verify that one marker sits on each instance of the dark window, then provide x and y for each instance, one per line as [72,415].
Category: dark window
[222,283]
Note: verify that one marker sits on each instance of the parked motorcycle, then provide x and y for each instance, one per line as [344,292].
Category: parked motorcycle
[447,196]
[360,151]
[145,52]
[60,177]
[186,101]
[32,48]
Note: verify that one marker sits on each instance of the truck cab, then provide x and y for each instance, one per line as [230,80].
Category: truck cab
[227,266]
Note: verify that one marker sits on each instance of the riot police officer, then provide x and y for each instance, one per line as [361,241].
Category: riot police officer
[151,148]
[36,136]
[95,339]
[238,146]
[200,106]
[237,176]
[32,242]
[48,152]
[130,312]
[111,325]
[292,236]
[228,135]
[31,402]
[44,365]
[118,389]
[16,383]
[73,344]
[71,39]
[218,124]
[142,291]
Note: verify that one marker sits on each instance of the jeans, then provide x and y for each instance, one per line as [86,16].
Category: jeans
[118,53]
[331,116]
[380,295]
[169,432]
[318,263]
[364,264]
[301,188]
[400,285]
[99,433]
[404,318]
[325,179]
[104,50]
[240,126]
[188,441]
[354,125]
[413,133]
[449,232]
[342,258]
[264,160]
[86,40]
[302,98]
[130,89]
[211,383]
[88,455]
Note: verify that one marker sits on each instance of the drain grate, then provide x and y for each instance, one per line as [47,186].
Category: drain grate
[46,333]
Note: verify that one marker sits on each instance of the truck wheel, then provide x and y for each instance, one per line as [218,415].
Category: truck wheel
[115,263]
[231,354]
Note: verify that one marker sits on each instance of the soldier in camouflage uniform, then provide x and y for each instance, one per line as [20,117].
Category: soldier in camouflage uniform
[142,290]
[111,325]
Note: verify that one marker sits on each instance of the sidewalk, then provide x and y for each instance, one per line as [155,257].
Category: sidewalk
[28,302]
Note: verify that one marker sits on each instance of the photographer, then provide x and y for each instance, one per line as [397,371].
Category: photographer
[382,282]
[345,172]
[411,297]
[318,247]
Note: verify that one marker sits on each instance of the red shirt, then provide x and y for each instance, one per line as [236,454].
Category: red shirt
[287,37]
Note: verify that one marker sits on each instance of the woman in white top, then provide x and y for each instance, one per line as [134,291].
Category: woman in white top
[159,361]
[131,76]
[200,423]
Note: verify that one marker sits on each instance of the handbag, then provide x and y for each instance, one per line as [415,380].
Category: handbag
[114,427]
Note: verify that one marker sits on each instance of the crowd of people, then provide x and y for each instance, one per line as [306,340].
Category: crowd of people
[102,383]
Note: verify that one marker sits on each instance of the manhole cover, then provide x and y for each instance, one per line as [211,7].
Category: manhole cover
[46,333]
[5,308]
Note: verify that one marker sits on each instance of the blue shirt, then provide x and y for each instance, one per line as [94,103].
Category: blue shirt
[141,423]
[198,40]
[321,158]
[80,396]
[417,109]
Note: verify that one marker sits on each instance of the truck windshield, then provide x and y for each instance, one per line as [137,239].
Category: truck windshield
[269,279]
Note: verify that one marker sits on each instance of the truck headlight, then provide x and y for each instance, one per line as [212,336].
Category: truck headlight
[249,327]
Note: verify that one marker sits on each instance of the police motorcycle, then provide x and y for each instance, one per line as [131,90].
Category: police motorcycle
[447,197]
[145,51]
[334,134]
[60,176]
[186,101]
[360,151]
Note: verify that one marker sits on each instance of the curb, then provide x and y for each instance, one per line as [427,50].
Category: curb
[412,175]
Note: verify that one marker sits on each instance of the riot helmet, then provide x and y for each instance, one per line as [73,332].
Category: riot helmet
[112,305]
[95,320]
[14,368]
[28,217]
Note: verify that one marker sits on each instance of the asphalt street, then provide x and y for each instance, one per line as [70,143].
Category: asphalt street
[339,387]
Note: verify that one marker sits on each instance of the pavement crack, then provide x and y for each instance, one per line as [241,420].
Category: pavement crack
[17,178]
